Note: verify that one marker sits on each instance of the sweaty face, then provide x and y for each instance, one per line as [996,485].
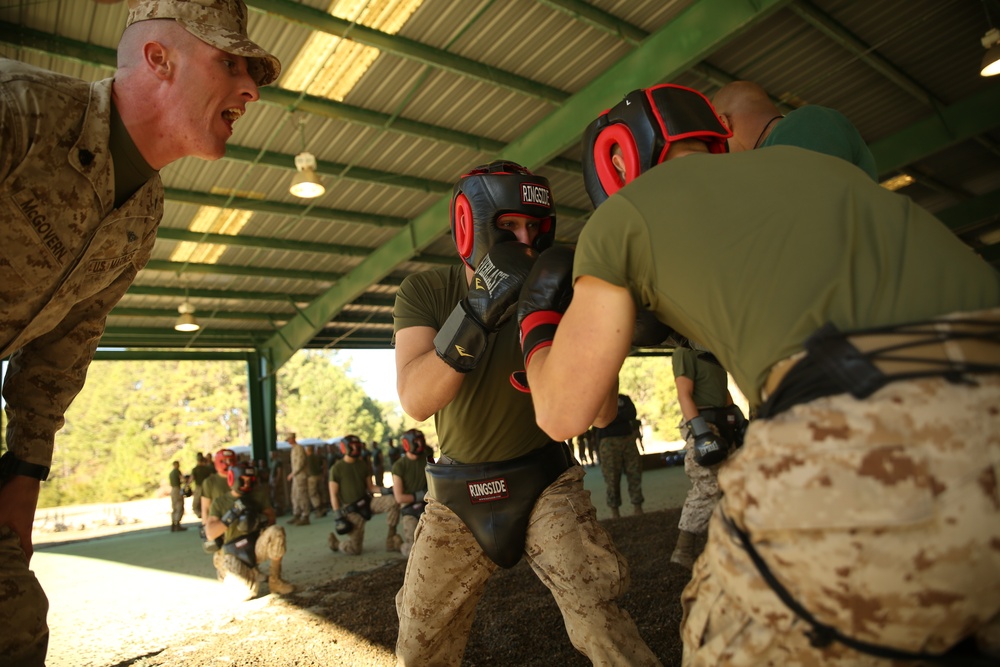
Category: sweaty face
[210,91]
[525,228]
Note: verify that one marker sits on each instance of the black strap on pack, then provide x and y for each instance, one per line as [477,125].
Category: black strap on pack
[730,421]
[833,365]
[821,635]
[495,500]
[361,506]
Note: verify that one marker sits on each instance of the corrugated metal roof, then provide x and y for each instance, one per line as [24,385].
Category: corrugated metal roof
[887,64]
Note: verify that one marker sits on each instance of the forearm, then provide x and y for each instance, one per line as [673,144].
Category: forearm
[214,528]
[424,382]
[609,410]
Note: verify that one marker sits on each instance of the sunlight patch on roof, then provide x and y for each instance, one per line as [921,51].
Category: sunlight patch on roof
[212,220]
[330,67]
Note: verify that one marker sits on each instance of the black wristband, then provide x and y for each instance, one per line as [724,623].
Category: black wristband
[462,340]
[10,466]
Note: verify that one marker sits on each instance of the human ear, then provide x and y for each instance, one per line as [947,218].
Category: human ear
[157,59]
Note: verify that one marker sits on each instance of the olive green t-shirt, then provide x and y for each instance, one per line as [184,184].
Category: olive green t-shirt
[412,472]
[711,384]
[750,253]
[825,130]
[175,477]
[352,479]
[314,464]
[200,473]
[215,485]
[258,498]
[488,420]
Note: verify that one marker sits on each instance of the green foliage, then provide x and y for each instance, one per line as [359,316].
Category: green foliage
[133,418]
[650,383]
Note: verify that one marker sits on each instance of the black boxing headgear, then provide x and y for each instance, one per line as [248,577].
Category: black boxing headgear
[351,445]
[242,477]
[643,125]
[223,459]
[484,194]
[413,442]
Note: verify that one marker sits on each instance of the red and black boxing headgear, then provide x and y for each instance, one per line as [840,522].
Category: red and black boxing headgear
[223,459]
[643,125]
[242,477]
[413,442]
[484,194]
[351,445]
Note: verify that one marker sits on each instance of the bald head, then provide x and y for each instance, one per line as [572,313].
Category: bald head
[747,110]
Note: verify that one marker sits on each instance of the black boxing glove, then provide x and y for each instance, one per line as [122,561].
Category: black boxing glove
[709,448]
[651,332]
[341,524]
[546,294]
[235,513]
[490,302]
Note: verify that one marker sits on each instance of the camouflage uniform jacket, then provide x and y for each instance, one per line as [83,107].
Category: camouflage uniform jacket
[66,254]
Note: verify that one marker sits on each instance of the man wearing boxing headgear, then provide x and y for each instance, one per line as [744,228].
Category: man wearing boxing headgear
[80,202]
[354,501]
[409,484]
[867,335]
[501,489]
[244,519]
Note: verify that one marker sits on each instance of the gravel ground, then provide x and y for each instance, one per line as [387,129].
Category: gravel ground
[352,620]
[149,598]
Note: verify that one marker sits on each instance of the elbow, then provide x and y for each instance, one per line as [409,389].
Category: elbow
[414,410]
[560,427]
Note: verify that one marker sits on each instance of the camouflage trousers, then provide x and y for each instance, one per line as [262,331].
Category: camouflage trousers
[300,496]
[620,453]
[353,543]
[409,528]
[703,494]
[566,547]
[176,505]
[271,545]
[315,483]
[880,517]
[24,639]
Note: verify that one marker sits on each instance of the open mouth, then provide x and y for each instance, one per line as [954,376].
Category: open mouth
[231,115]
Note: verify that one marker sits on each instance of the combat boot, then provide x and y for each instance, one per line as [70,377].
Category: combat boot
[333,542]
[173,528]
[275,582]
[393,542]
[304,521]
[615,514]
[180,527]
[636,510]
[683,554]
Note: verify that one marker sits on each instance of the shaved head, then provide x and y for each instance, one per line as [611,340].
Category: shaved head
[747,110]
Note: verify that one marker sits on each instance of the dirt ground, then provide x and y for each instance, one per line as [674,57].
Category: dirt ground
[149,598]
[352,620]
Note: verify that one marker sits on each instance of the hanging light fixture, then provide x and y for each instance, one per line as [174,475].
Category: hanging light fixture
[186,322]
[991,61]
[305,183]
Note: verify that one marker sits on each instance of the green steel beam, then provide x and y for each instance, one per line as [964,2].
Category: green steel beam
[281,208]
[228,270]
[949,125]
[692,36]
[970,212]
[254,271]
[600,19]
[336,169]
[292,245]
[168,355]
[214,314]
[238,295]
[315,19]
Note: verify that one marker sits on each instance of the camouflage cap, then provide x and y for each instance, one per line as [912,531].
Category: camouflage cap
[221,23]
